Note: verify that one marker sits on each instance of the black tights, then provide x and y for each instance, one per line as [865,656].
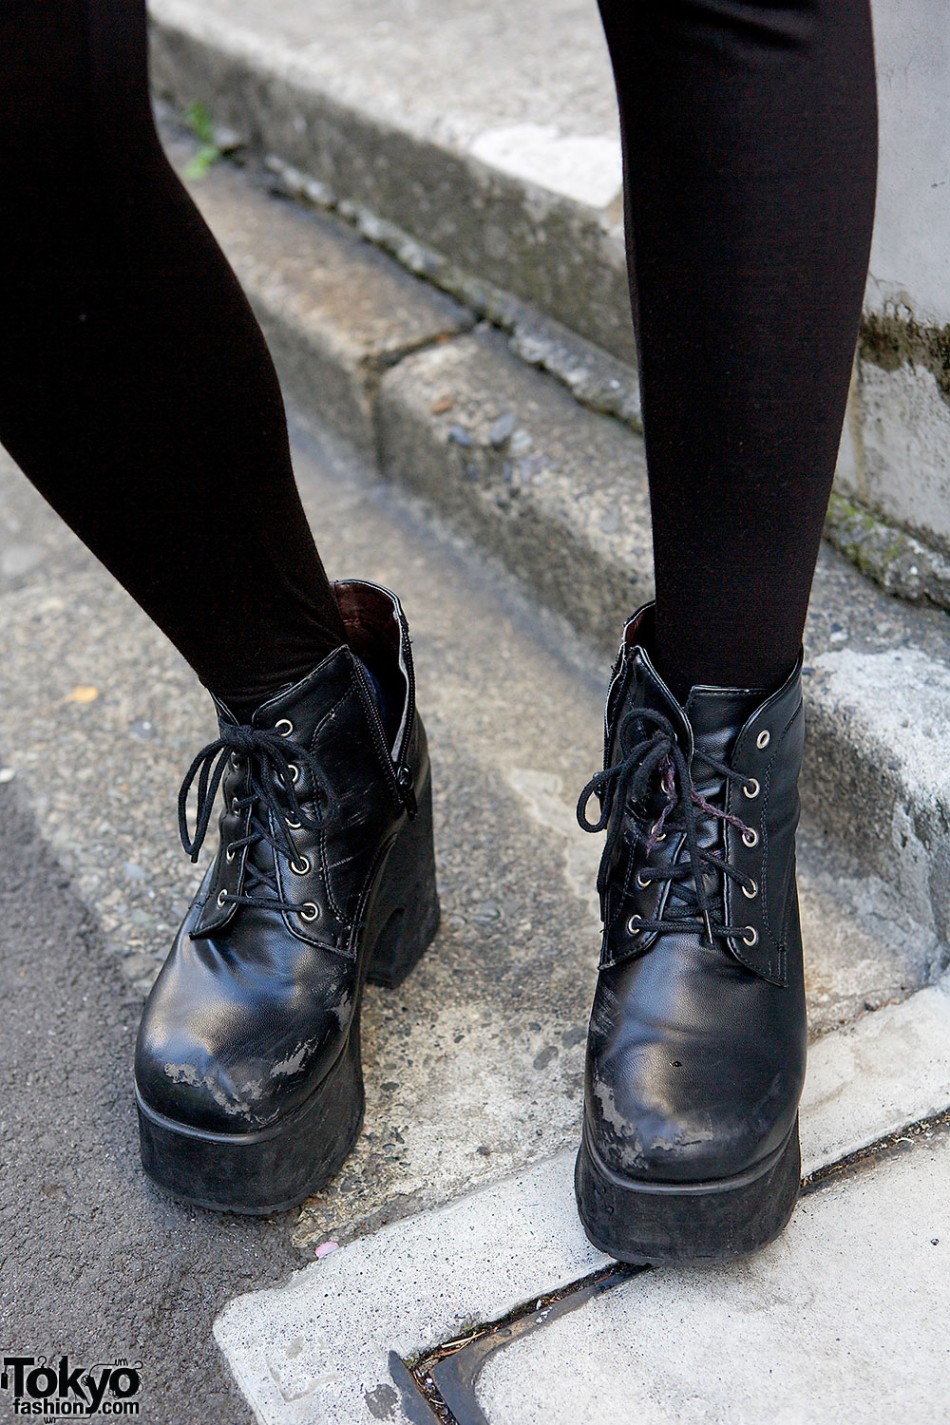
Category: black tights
[138,395]
[750,140]
[136,390]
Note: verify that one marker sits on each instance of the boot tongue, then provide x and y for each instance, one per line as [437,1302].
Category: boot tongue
[718,715]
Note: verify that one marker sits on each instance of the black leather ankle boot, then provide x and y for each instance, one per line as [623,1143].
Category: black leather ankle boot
[248,1074]
[696,1053]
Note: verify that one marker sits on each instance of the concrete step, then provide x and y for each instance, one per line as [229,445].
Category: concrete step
[481,149]
[498,1306]
[558,494]
[482,135]
[474,1066]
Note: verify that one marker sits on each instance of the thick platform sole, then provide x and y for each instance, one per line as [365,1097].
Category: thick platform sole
[273,1169]
[660,1224]
[270,1170]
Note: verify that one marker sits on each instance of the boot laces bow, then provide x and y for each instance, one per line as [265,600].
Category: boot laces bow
[658,766]
[274,764]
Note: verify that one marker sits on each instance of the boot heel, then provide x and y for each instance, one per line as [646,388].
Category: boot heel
[406,912]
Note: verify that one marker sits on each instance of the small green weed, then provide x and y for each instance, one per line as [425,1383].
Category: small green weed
[201,125]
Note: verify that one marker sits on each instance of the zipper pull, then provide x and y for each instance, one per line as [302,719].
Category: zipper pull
[404,780]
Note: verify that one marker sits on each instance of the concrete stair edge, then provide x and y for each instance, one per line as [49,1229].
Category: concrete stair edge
[541,263]
[485,220]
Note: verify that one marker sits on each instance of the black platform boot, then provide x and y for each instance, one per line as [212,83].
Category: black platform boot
[248,1074]
[696,1053]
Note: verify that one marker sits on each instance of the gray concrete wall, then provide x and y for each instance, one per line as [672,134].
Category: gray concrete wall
[894,457]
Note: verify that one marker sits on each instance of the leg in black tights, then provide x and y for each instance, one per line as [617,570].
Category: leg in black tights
[749,134]
[136,390]
[138,395]
[750,139]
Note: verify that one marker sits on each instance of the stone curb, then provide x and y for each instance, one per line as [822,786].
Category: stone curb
[559,494]
[525,245]
[490,222]
[321,1347]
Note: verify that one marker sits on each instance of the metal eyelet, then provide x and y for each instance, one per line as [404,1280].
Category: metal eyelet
[755,789]
[662,835]
[294,825]
[235,761]
[222,897]
[751,895]
[763,738]
[643,883]
[750,837]
[301,867]
[309,911]
[633,925]
[229,854]
[294,772]
[750,936]
[283,727]
[234,806]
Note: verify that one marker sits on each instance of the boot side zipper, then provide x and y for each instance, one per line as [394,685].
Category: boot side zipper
[398,774]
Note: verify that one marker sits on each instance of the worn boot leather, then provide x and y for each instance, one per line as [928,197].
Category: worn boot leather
[248,1072]
[696,1053]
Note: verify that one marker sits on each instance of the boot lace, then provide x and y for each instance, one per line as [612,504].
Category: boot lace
[658,766]
[274,764]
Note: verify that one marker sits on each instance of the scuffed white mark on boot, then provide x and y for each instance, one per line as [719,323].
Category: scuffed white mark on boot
[543,794]
[233,1103]
[293,1063]
[343,1010]
[610,1114]
[183,1074]
[648,1143]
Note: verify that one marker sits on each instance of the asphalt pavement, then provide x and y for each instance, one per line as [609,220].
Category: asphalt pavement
[96,1264]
